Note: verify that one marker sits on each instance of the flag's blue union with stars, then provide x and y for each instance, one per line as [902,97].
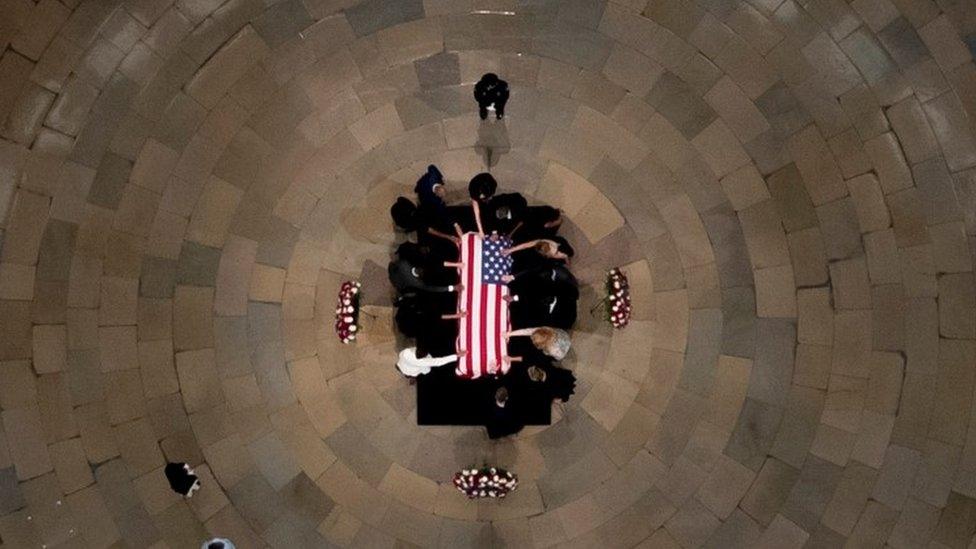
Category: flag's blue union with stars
[495,265]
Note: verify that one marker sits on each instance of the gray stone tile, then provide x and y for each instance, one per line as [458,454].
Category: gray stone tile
[792,201]
[11,498]
[701,354]
[356,451]
[729,246]
[197,265]
[373,15]
[256,501]
[754,432]
[770,491]
[438,71]
[283,21]
[305,501]
[772,369]
[157,277]
[110,179]
[680,105]
[739,322]
[812,492]
[841,233]
[277,243]
[54,256]
[903,43]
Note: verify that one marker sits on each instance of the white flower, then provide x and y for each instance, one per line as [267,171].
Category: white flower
[352,328]
[348,320]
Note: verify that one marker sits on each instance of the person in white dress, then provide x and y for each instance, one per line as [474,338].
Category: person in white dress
[411,365]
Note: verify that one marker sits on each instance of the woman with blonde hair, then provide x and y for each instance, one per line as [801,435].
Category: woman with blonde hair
[551,341]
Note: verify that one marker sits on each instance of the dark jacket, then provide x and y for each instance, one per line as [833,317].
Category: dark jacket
[425,187]
[491,90]
[179,480]
[405,278]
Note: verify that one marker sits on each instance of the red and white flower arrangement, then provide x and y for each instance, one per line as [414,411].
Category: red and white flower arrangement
[618,298]
[347,311]
[487,482]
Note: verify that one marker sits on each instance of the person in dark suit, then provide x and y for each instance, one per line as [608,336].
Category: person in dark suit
[504,418]
[491,93]
[182,479]
[430,188]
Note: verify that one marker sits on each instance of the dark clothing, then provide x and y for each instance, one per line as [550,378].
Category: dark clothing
[504,421]
[491,90]
[533,224]
[179,479]
[406,278]
[552,278]
[425,188]
[546,310]
[510,206]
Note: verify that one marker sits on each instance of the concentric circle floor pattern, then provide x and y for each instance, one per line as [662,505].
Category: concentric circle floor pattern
[789,184]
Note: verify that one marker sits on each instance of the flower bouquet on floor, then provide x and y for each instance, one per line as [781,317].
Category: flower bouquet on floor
[487,482]
[347,311]
[618,298]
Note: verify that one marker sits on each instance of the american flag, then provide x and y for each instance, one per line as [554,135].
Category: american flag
[482,331]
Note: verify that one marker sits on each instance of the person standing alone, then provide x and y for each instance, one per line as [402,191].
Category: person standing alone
[491,93]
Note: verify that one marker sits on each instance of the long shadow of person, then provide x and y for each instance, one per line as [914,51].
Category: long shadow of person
[493,141]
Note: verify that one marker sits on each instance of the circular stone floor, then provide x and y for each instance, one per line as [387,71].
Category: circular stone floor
[790,185]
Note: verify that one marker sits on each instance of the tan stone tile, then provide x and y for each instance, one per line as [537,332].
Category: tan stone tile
[199,381]
[234,276]
[71,465]
[849,498]
[565,189]
[155,319]
[25,228]
[137,205]
[193,317]
[764,235]
[957,305]
[25,439]
[851,287]
[812,366]
[737,110]
[783,532]
[598,218]
[17,281]
[119,301]
[154,491]
[720,148]
[832,444]
[745,187]
[157,369]
[166,234]
[816,164]
[226,66]
[808,256]
[117,348]
[621,146]
[872,212]
[686,228]
[267,283]
[50,348]
[942,40]
[214,212]
[725,486]
[913,130]
[631,69]
[775,292]
[889,162]
[210,499]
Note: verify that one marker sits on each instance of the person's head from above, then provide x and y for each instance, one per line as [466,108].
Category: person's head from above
[501,397]
[543,338]
[216,545]
[555,249]
[412,253]
[434,180]
[404,214]
[489,78]
[482,187]
[537,374]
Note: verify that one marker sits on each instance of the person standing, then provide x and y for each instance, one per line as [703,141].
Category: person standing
[182,479]
[491,93]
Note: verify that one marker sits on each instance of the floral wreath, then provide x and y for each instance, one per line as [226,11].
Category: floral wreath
[618,298]
[347,311]
[487,482]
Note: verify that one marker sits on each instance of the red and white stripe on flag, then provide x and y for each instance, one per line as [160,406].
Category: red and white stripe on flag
[482,331]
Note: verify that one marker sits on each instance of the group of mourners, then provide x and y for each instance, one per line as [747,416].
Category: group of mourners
[542,291]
